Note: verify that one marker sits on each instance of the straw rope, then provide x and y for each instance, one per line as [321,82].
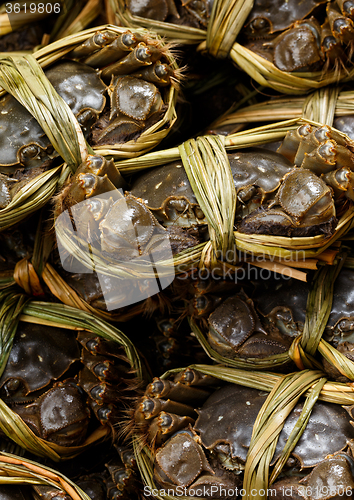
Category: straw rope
[304,347]
[23,77]
[226,21]
[18,470]
[207,167]
[284,393]
[16,307]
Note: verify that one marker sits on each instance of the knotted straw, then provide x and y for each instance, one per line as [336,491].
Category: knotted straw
[285,391]
[18,470]
[219,40]
[306,345]
[17,307]
[22,76]
[321,106]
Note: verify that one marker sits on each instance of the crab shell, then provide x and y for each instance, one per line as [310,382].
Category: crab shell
[303,207]
[135,104]
[223,432]
[257,174]
[22,140]
[58,411]
[129,228]
[60,415]
[239,406]
[298,47]
[282,302]
[28,369]
[190,13]
[235,330]
[166,191]
[302,44]
[268,16]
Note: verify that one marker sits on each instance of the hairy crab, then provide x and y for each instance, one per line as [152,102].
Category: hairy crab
[54,384]
[228,318]
[283,304]
[119,228]
[296,191]
[115,476]
[112,105]
[193,13]
[314,191]
[200,434]
[300,190]
[301,36]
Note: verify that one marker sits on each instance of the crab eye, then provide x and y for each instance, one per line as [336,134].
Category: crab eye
[12,385]
[259,24]
[29,153]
